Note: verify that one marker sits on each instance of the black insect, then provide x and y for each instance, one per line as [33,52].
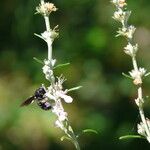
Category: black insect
[39,97]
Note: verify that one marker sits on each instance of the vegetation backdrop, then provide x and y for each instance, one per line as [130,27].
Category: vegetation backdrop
[87,40]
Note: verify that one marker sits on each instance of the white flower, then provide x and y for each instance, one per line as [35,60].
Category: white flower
[50,96]
[130,31]
[47,62]
[136,73]
[120,3]
[67,99]
[46,8]
[50,62]
[62,116]
[59,124]
[139,101]
[46,69]
[48,72]
[53,62]
[59,111]
[141,129]
[131,49]
[142,71]
[119,15]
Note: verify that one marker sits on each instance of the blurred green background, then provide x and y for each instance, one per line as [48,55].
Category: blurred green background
[87,40]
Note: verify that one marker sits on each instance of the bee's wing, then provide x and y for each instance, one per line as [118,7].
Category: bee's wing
[28,101]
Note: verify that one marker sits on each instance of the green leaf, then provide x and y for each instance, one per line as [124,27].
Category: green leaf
[61,65]
[131,137]
[89,130]
[38,60]
[74,88]
[127,76]
[65,138]
[86,131]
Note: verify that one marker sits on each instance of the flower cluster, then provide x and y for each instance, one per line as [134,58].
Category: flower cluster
[122,15]
[46,8]
[126,31]
[131,50]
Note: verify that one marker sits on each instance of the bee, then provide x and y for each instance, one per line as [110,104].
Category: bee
[39,98]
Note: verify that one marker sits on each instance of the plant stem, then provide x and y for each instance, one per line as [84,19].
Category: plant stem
[49,40]
[76,145]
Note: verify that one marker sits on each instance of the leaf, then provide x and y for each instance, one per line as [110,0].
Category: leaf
[38,60]
[131,137]
[147,74]
[65,138]
[61,65]
[86,131]
[89,130]
[74,88]
[127,76]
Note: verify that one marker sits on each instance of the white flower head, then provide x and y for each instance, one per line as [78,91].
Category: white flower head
[46,8]
[131,50]
[119,3]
